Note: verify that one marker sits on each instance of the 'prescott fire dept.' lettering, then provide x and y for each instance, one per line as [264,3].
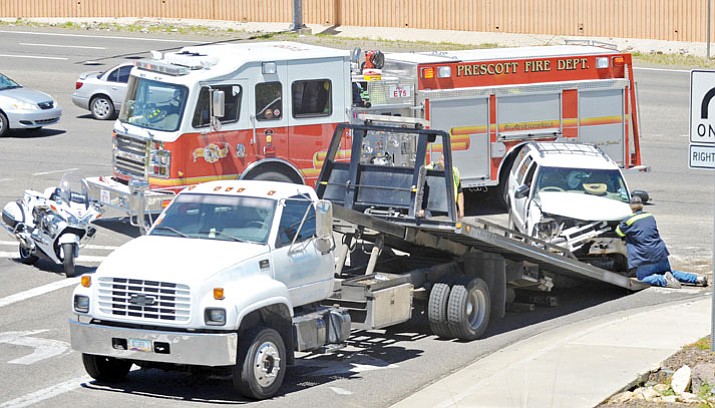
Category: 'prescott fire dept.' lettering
[503,68]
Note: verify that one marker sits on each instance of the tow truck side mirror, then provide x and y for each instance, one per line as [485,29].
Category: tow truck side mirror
[218,102]
[521,191]
[324,226]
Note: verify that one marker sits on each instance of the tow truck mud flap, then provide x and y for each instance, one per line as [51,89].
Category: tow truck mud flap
[492,269]
[375,301]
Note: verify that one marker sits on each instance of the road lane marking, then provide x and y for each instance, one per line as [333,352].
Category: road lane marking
[104,247]
[103,37]
[44,173]
[80,259]
[42,348]
[41,290]
[46,393]
[64,46]
[687,71]
[32,56]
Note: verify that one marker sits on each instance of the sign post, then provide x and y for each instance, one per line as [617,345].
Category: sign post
[702,144]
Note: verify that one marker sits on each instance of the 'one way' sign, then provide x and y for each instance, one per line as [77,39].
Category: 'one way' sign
[702,120]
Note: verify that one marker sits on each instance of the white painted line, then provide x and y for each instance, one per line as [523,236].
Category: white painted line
[81,258]
[104,247]
[18,297]
[32,56]
[46,393]
[64,46]
[54,171]
[1,180]
[102,36]
[662,69]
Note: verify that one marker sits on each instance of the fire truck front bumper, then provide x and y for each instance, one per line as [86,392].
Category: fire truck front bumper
[131,200]
[201,349]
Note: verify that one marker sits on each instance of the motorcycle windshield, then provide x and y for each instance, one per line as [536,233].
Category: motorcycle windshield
[73,189]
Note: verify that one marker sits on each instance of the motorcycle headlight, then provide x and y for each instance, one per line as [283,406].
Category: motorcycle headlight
[20,105]
[71,219]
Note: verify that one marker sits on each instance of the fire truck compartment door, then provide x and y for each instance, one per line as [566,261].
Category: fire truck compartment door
[467,122]
[602,121]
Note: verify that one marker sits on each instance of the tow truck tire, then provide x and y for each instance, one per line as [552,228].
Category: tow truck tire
[261,363]
[106,369]
[437,310]
[468,309]
[68,259]
[26,256]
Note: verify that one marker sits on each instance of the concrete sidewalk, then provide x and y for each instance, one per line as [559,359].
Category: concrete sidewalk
[578,365]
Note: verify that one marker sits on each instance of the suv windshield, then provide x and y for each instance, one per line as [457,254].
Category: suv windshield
[223,218]
[153,105]
[598,182]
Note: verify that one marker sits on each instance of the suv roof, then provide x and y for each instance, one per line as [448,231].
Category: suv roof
[567,154]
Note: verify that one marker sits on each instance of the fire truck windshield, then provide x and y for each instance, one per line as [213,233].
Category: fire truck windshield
[153,105]
[218,217]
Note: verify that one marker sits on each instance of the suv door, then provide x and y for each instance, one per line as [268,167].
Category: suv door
[522,174]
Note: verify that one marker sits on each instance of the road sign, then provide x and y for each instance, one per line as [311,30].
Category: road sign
[702,106]
[702,156]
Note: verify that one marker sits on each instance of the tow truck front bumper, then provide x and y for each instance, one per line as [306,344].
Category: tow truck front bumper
[201,349]
[134,199]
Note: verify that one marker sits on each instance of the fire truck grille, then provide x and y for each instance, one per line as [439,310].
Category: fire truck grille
[143,299]
[130,155]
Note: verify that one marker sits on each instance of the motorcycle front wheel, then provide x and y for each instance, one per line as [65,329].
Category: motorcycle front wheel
[26,255]
[68,259]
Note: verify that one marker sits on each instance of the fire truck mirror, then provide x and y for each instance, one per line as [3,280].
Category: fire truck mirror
[355,56]
[218,102]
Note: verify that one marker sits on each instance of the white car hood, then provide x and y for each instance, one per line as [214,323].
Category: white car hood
[175,259]
[583,207]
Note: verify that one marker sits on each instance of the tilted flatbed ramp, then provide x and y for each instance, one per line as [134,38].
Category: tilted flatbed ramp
[385,198]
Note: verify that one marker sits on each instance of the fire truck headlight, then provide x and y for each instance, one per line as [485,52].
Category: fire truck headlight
[444,72]
[602,62]
[81,304]
[215,316]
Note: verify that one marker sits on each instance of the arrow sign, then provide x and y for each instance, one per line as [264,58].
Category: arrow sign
[44,348]
[702,106]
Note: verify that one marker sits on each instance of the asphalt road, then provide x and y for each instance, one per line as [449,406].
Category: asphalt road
[37,367]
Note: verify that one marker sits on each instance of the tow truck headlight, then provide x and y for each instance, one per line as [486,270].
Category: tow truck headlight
[215,316]
[81,304]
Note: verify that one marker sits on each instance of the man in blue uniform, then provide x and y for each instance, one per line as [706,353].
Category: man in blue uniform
[647,253]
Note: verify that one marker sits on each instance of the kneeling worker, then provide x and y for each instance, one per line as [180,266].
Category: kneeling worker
[647,253]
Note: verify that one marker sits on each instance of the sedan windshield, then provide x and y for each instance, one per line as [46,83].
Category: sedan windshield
[153,105]
[218,217]
[7,83]
[598,182]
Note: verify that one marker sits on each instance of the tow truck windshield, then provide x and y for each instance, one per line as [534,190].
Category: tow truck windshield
[217,217]
[153,105]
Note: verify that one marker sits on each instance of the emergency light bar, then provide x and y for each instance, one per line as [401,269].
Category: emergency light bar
[162,67]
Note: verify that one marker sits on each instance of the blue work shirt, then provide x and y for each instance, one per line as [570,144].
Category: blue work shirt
[643,240]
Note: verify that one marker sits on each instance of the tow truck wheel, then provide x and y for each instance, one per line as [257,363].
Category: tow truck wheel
[68,259]
[107,369]
[437,310]
[26,256]
[261,363]
[468,309]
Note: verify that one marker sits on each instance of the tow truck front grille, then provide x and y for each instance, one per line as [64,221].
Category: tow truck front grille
[130,155]
[143,299]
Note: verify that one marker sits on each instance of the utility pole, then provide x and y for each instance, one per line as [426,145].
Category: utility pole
[708,34]
[298,15]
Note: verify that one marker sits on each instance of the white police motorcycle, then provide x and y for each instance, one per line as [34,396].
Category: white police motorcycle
[54,223]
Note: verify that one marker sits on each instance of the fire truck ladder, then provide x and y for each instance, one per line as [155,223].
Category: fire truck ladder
[381,199]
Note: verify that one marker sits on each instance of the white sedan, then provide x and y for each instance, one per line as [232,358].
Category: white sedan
[102,93]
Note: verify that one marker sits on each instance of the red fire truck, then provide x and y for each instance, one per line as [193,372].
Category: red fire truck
[267,110]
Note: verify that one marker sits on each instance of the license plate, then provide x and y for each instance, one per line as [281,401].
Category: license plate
[139,345]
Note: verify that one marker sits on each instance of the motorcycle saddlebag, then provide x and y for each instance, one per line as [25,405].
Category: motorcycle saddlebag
[13,215]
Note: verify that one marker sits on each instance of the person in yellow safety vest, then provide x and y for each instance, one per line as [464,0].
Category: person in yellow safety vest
[458,193]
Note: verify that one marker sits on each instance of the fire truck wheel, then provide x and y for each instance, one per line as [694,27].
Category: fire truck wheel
[26,256]
[101,107]
[107,369]
[273,176]
[68,259]
[468,309]
[261,363]
[437,310]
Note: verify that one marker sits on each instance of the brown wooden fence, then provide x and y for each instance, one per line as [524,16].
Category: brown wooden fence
[674,20]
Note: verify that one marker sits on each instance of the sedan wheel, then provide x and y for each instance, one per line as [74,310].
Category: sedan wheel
[102,107]
[4,124]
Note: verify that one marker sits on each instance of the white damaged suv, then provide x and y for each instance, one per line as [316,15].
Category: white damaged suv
[572,195]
